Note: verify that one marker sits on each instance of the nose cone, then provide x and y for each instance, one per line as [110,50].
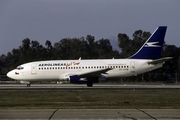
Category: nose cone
[13,74]
[10,74]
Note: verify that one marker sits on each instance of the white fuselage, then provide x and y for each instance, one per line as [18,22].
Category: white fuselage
[62,69]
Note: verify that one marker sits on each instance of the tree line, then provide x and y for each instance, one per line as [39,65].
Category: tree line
[89,48]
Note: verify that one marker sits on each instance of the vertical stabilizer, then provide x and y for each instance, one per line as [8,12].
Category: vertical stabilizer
[153,46]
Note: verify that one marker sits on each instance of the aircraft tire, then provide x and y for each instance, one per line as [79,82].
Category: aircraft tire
[89,84]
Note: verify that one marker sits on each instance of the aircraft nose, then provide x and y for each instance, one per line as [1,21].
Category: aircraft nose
[10,74]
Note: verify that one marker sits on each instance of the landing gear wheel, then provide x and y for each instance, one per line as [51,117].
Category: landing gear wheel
[28,85]
[89,84]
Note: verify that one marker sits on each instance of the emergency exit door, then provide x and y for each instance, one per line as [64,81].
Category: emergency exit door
[133,66]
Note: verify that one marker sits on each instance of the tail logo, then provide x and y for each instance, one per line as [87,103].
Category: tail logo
[152,44]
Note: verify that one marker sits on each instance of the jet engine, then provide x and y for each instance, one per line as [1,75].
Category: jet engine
[75,79]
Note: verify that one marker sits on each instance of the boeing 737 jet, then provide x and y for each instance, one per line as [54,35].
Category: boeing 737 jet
[88,72]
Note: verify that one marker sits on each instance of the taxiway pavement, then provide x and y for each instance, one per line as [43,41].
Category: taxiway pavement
[91,114]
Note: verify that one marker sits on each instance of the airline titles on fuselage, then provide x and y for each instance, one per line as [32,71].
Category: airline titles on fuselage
[58,64]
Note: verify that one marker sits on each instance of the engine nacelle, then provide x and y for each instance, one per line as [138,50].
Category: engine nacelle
[77,80]
[74,79]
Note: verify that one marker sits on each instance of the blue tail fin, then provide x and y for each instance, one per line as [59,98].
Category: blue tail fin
[153,46]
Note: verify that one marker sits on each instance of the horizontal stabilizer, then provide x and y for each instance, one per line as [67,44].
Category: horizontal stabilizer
[161,60]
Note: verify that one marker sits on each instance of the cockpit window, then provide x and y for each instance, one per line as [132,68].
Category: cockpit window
[20,68]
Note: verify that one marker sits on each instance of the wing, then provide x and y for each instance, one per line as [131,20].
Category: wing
[94,73]
[161,60]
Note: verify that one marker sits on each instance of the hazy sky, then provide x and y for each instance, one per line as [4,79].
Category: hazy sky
[53,20]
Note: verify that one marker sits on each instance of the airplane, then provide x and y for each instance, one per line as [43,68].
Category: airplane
[147,58]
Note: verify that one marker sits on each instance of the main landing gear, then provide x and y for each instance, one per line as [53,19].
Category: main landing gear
[90,84]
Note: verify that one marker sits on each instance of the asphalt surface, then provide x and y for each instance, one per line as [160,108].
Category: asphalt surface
[91,114]
[83,86]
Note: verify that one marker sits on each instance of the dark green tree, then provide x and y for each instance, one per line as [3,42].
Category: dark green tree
[49,50]
[128,46]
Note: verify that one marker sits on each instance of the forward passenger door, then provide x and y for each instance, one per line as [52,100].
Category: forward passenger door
[33,69]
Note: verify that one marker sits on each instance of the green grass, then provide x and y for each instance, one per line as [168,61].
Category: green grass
[90,99]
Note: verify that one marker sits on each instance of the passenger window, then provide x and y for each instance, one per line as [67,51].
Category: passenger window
[20,68]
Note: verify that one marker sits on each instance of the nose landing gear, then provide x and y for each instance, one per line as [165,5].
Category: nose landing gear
[29,85]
